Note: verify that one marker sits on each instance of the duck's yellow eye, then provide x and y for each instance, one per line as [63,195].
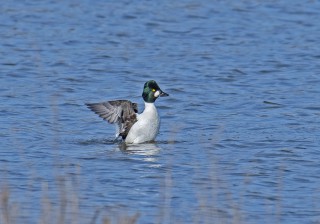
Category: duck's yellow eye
[153,90]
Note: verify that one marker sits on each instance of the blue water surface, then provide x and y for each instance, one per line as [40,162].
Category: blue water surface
[240,132]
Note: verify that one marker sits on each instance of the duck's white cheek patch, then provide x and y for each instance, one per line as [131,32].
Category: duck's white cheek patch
[157,93]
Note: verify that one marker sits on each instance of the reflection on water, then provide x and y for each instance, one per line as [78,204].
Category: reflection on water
[147,150]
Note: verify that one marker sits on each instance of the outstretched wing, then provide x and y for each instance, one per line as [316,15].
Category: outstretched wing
[119,112]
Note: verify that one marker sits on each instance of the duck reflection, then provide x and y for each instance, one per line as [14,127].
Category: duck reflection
[148,150]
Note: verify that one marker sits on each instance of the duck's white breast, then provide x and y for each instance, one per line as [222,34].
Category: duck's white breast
[147,126]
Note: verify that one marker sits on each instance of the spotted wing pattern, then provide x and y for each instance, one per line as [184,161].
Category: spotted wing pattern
[119,112]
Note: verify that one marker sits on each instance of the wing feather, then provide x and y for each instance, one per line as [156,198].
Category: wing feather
[119,112]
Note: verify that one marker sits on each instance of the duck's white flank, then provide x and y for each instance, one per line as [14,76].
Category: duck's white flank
[147,126]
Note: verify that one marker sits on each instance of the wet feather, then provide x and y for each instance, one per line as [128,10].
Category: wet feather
[119,112]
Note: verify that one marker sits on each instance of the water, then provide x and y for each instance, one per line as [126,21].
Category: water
[240,132]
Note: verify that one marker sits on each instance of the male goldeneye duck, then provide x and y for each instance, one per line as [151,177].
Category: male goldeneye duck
[134,128]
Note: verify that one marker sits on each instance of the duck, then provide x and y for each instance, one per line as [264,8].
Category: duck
[132,127]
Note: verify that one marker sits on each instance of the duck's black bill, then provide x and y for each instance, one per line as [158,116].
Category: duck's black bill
[163,94]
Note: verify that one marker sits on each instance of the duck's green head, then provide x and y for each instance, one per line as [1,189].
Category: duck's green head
[151,91]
